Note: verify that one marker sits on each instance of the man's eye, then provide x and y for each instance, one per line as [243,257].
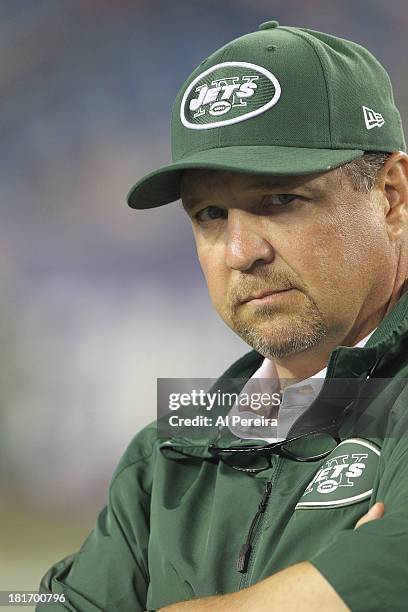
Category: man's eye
[210,214]
[278,199]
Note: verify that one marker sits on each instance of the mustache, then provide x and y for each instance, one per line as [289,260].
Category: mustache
[255,285]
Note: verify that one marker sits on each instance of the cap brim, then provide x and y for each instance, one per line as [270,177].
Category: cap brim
[163,185]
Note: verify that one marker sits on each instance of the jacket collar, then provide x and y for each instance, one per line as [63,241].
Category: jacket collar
[386,343]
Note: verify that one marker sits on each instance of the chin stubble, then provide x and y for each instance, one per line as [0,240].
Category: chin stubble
[280,334]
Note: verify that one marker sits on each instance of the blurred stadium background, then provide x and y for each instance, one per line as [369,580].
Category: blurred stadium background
[98,300]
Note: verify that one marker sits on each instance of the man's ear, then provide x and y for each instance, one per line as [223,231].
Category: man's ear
[393,181]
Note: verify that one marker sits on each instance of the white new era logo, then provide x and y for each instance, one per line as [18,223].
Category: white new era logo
[372,119]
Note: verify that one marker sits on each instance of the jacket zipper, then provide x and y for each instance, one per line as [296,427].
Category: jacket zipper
[246,548]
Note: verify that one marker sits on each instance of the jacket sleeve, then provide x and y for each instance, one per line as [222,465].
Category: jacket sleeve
[368,566]
[110,571]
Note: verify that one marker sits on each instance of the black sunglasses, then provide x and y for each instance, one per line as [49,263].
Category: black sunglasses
[254,459]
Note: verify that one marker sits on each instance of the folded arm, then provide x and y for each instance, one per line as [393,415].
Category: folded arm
[299,587]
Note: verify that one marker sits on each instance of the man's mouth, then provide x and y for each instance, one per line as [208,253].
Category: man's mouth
[267,295]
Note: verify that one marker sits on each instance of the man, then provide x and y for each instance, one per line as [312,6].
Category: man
[289,158]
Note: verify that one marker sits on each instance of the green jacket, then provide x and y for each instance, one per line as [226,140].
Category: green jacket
[174,526]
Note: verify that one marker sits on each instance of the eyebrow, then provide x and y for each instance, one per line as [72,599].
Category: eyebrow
[281,183]
[190,201]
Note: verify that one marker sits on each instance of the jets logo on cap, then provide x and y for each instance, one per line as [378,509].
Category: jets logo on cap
[372,119]
[228,93]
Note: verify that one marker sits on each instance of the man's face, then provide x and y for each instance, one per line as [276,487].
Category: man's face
[313,239]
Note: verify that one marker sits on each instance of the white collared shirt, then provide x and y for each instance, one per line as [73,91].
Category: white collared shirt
[295,399]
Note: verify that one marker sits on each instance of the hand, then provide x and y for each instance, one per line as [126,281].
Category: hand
[375,512]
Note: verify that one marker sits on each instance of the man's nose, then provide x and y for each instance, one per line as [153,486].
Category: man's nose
[246,244]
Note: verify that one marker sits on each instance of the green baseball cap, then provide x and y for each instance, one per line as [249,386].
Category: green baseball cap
[278,101]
